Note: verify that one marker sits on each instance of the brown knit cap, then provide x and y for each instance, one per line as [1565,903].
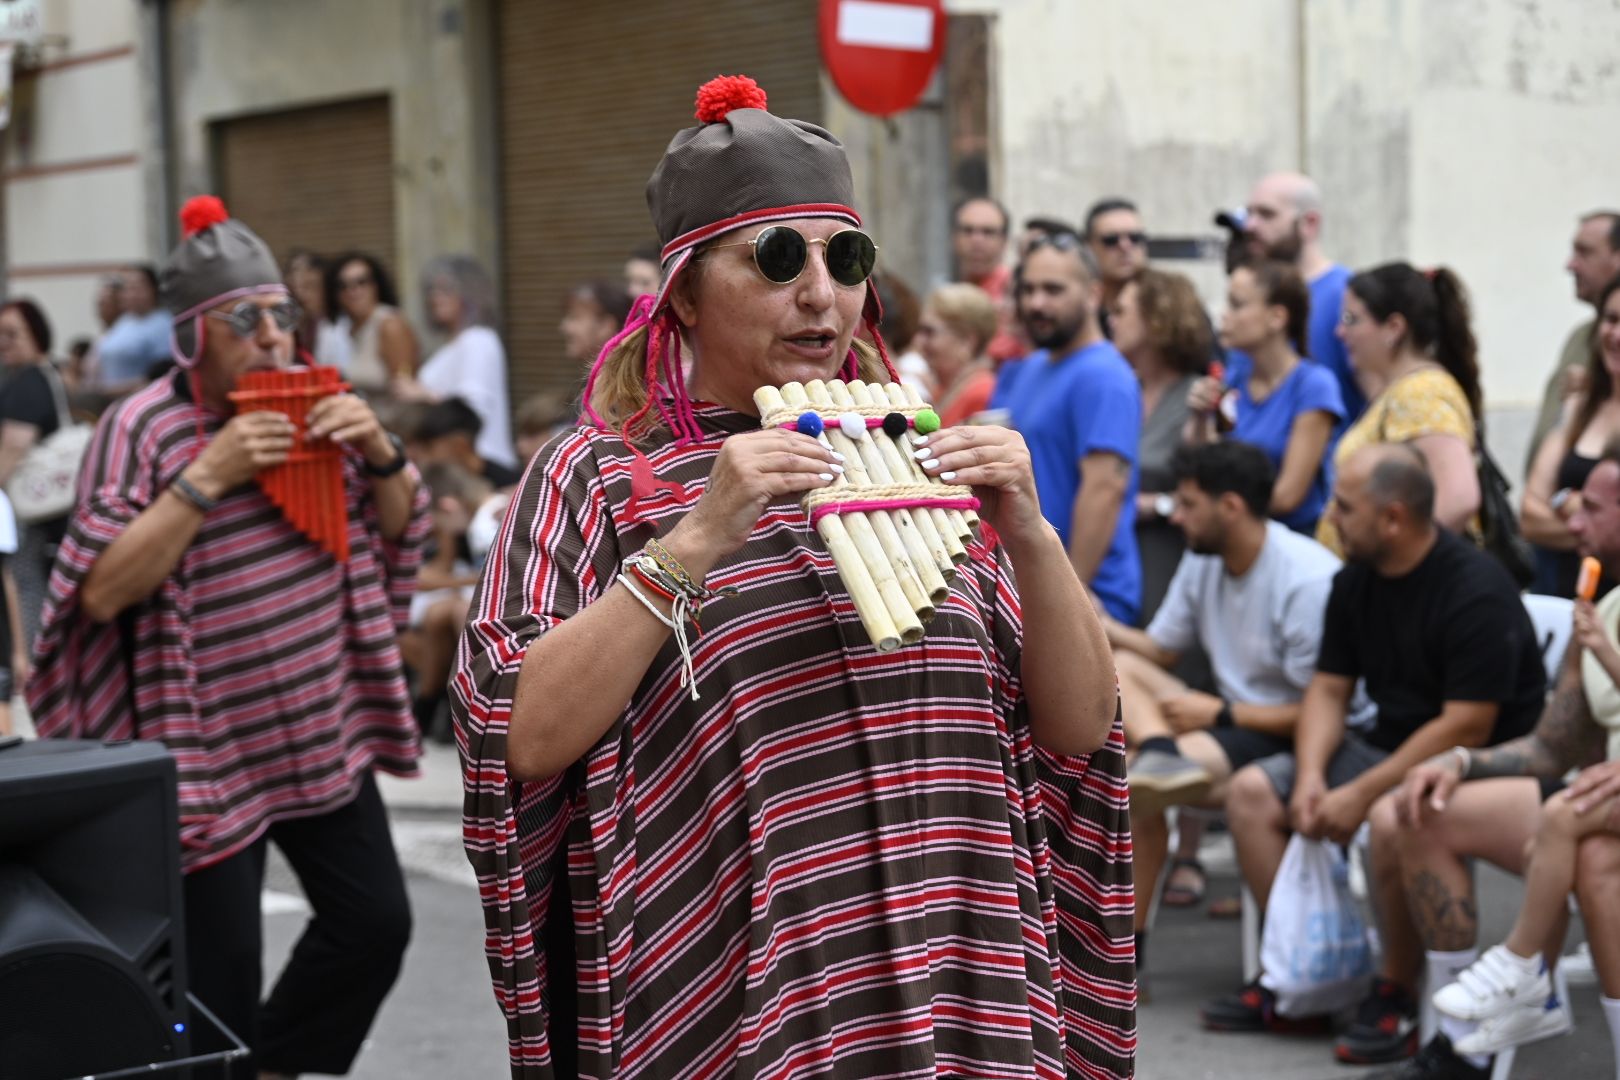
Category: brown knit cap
[740,166]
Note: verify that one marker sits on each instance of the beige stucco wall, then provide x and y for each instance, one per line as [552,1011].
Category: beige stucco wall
[900,182]
[1471,132]
[433,59]
[84,113]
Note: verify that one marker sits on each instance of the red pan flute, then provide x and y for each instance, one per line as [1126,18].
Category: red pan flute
[308,486]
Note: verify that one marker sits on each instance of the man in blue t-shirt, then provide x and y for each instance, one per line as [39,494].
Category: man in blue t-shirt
[1284,221]
[1078,405]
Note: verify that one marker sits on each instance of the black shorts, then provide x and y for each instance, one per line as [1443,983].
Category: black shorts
[1243,745]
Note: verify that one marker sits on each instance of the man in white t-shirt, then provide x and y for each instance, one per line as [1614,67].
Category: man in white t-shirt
[1251,593]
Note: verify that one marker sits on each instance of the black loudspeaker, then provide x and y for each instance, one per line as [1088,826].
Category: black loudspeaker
[92,945]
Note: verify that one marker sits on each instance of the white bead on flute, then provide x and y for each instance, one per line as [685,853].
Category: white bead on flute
[896,557]
[871,582]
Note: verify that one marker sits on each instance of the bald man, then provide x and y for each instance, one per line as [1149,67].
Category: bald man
[1436,629]
[1285,222]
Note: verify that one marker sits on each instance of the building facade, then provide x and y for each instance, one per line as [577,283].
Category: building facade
[523,131]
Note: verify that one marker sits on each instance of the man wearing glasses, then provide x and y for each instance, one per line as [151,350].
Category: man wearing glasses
[185,609]
[1118,243]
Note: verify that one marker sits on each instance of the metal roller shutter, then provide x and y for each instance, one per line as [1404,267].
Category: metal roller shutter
[590,97]
[320,178]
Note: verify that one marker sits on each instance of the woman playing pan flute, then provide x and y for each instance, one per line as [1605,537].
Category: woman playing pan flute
[833,861]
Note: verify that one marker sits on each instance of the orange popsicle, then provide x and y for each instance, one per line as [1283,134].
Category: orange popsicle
[1586,585]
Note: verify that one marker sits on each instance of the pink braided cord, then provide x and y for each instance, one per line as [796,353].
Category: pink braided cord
[868,506]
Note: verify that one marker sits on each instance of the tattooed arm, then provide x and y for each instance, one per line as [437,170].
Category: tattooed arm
[1565,737]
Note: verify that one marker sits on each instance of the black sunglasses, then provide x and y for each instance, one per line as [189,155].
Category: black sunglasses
[781,252]
[244,318]
[1062,241]
[1114,239]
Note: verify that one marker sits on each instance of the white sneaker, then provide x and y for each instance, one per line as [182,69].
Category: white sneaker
[1519,1025]
[1492,985]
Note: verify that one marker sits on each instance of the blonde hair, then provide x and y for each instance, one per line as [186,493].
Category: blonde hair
[621,385]
[620,392]
[968,310]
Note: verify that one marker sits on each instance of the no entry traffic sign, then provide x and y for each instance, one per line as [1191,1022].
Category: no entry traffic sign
[882,54]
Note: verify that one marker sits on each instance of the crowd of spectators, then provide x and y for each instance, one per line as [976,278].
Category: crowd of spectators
[1280,510]
[1285,522]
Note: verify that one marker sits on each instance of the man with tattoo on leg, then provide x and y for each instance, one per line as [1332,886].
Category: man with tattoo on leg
[1424,833]
[1436,629]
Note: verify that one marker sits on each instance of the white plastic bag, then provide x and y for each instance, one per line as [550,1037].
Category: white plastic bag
[1313,950]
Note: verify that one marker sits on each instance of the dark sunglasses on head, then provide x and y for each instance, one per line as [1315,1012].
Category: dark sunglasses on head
[781,252]
[1062,241]
[244,318]
[1114,239]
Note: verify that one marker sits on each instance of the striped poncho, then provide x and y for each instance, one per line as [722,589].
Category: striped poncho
[271,672]
[836,863]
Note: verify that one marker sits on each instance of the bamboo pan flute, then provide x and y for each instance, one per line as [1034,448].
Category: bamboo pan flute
[308,486]
[896,564]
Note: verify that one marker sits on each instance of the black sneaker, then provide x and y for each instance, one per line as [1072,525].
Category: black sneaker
[1436,1061]
[1385,1028]
[1254,1008]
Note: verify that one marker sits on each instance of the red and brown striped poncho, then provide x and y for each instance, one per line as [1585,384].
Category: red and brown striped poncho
[836,863]
[271,672]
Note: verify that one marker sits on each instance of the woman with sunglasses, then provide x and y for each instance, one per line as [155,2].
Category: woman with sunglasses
[383,351]
[769,850]
[186,609]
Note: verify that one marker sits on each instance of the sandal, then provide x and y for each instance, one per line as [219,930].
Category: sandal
[1178,890]
[1227,907]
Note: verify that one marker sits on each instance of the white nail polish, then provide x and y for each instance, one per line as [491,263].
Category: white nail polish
[931,463]
[836,468]
[919,440]
[837,456]
[947,476]
[923,454]
[826,475]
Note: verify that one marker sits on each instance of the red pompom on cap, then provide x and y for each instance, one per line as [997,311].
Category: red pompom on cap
[721,94]
[201,212]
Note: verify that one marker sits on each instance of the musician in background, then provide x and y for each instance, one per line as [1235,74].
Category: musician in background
[830,859]
[184,608]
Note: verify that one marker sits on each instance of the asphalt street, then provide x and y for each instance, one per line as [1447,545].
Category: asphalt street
[442,1022]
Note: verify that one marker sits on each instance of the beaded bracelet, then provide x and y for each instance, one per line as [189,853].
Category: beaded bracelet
[189,494]
[676,621]
[665,565]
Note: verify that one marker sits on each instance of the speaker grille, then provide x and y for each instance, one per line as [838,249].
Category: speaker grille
[68,1014]
[160,969]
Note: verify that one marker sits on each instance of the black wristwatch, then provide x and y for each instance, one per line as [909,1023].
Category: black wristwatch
[381,471]
[1224,718]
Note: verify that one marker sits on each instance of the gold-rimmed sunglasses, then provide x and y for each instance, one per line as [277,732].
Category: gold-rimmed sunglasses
[781,253]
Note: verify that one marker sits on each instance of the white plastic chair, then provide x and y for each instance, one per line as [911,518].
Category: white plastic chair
[1554,620]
